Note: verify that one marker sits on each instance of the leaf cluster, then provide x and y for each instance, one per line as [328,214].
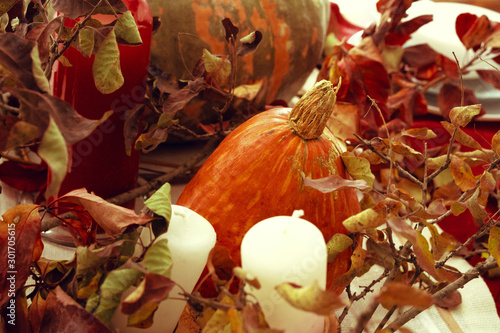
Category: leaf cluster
[382,67]
[115,271]
[33,36]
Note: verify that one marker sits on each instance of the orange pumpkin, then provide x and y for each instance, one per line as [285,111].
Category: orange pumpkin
[257,172]
[292,44]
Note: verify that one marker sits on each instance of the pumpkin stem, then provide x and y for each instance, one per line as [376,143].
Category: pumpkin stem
[309,116]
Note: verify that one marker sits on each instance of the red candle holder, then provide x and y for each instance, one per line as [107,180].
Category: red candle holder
[100,162]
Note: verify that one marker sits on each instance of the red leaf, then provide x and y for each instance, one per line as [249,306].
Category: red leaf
[220,264]
[448,66]
[491,76]
[19,231]
[64,315]
[449,96]
[471,30]
[403,31]
[155,288]
[113,219]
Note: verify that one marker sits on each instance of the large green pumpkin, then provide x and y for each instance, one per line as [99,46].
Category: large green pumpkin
[292,44]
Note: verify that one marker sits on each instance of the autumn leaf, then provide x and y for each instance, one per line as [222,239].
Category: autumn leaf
[490,75]
[401,294]
[462,137]
[337,244]
[158,258]
[106,68]
[311,298]
[406,151]
[334,183]
[126,30]
[113,219]
[160,202]
[19,232]
[366,219]
[219,68]
[53,152]
[38,109]
[249,43]
[495,143]
[419,133]
[104,304]
[220,265]
[86,41]
[16,55]
[63,314]
[153,288]
[462,116]
[494,243]
[477,210]
[450,96]
[177,100]
[358,168]
[471,30]
[248,91]
[420,245]
[357,263]
[462,174]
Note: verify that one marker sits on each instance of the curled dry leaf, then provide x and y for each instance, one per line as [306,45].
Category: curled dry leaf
[113,219]
[220,265]
[366,219]
[63,314]
[153,288]
[462,116]
[337,244]
[401,294]
[494,243]
[218,67]
[462,174]
[334,183]
[419,133]
[311,298]
[359,168]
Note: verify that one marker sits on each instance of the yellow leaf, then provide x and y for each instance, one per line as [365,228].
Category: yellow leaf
[462,137]
[495,142]
[106,68]
[337,244]
[494,243]
[419,133]
[311,298]
[359,168]
[54,152]
[462,174]
[460,116]
[366,219]
[220,68]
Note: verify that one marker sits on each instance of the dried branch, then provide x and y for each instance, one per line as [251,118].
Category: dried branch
[471,274]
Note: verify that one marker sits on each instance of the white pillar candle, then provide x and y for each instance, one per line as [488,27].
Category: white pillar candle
[285,249]
[190,239]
